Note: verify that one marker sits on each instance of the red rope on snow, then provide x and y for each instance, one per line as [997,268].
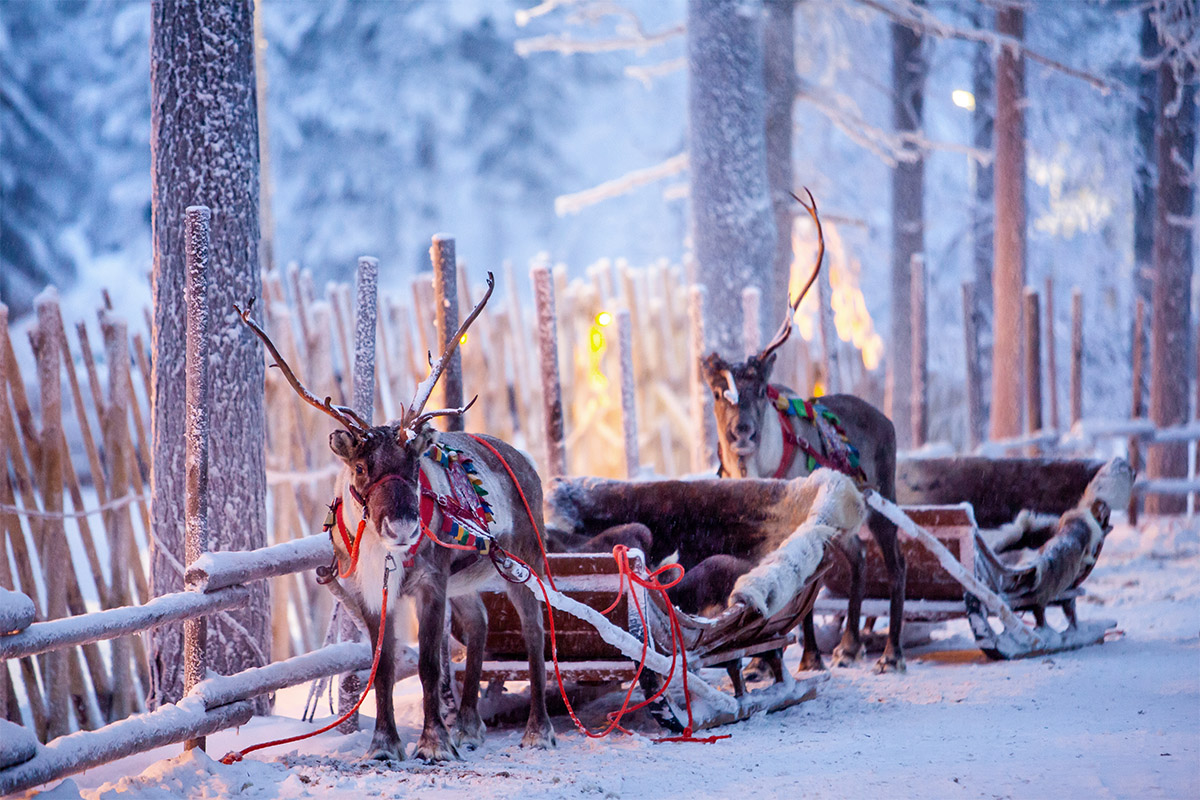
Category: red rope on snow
[238,755]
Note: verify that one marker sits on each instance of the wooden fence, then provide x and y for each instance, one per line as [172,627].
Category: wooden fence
[625,346]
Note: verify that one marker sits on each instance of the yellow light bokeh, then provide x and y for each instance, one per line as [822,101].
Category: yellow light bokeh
[963,99]
[462,339]
[604,319]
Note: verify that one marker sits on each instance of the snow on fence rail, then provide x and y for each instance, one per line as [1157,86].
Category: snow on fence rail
[216,581]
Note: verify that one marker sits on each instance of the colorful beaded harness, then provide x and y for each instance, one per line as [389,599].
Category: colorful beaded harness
[840,454]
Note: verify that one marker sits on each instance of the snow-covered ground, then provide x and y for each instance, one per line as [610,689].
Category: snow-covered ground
[1114,721]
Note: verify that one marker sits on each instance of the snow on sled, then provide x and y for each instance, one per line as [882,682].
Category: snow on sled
[794,521]
[1032,563]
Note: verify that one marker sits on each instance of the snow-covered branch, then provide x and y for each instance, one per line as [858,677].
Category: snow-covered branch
[574,203]
[526,15]
[891,148]
[925,22]
[646,75]
[569,45]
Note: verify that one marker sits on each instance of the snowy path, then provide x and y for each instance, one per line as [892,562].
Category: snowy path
[1116,721]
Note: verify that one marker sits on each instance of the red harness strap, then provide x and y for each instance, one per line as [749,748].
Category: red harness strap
[792,443]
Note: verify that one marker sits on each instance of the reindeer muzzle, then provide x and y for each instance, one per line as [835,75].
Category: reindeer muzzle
[400,532]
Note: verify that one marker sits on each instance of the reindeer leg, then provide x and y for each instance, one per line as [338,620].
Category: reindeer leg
[884,531]
[811,659]
[539,732]
[386,744]
[435,743]
[471,616]
[850,649]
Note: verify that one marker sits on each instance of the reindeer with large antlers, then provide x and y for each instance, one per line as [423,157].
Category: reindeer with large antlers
[479,501]
[767,431]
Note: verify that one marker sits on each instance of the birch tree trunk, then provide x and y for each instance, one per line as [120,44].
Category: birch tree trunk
[1008,276]
[204,149]
[1171,329]
[779,57]
[732,225]
[908,224]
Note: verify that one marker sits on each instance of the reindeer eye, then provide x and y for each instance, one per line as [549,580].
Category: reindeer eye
[358,469]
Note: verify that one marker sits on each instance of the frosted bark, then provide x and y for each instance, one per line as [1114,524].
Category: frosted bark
[732,224]
[779,65]
[1008,275]
[751,326]
[366,283]
[204,144]
[445,299]
[195,503]
[1170,346]
[547,330]
[629,423]
[908,225]
[703,423]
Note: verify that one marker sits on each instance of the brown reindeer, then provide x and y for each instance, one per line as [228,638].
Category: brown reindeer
[762,433]
[388,469]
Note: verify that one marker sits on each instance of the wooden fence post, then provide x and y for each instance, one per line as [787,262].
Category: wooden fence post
[920,345]
[1076,355]
[1051,359]
[445,302]
[974,383]
[195,503]
[547,334]
[627,387]
[1033,367]
[703,424]
[751,327]
[1137,408]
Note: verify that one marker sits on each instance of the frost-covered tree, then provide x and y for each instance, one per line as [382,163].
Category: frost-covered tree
[779,58]
[1171,361]
[205,151]
[908,220]
[74,126]
[732,226]
[1008,277]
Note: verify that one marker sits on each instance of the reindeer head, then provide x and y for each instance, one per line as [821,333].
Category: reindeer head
[739,400]
[382,462]
[740,390]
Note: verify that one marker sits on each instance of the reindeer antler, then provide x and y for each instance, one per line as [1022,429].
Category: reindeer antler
[415,414]
[785,330]
[345,416]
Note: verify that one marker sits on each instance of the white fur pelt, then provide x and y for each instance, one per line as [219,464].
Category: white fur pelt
[836,509]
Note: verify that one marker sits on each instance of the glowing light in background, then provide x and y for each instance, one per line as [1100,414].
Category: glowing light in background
[462,339]
[963,99]
[850,317]
[604,319]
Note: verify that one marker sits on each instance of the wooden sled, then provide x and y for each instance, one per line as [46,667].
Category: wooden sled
[594,647]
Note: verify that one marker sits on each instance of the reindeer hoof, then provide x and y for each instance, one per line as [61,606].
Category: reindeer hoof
[469,730]
[434,750]
[845,654]
[540,738]
[393,752]
[812,662]
[890,663]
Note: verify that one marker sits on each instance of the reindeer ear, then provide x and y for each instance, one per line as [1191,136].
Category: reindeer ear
[343,444]
[712,365]
[766,365]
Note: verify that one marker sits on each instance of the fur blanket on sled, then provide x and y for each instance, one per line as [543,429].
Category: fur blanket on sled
[835,508]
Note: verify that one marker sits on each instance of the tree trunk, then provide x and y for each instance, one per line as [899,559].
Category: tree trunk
[1008,277]
[779,45]
[732,226]
[1171,329]
[204,140]
[983,79]
[908,223]
[1143,175]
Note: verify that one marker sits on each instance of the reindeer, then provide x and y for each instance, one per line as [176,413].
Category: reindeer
[758,438]
[388,470]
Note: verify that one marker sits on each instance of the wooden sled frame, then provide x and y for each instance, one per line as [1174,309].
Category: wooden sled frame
[1014,639]
[710,643]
